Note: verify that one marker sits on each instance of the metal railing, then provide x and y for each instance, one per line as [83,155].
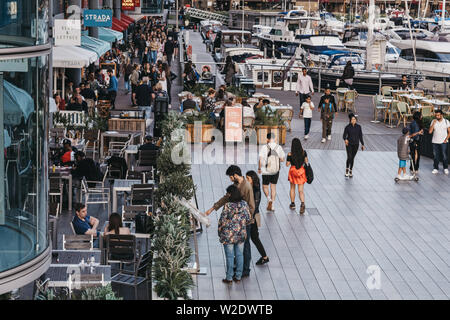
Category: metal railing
[207,15]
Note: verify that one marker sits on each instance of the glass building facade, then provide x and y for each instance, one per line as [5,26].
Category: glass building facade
[24,97]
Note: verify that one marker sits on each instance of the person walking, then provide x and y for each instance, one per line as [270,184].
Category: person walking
[134,79]
[230,71]
[415,134]
[270,157]
[304,86]
[154,47]
[403,154]
[328,110]
[253,179]
[352,137]
[349,73]
[306,110]
[169,48]
[297,174]
[440,128]
[112,88]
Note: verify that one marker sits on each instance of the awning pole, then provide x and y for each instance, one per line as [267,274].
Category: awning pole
[55,81]
[63,84]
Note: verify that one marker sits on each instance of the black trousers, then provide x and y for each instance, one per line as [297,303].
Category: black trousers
[352,149]
[254,235]
[112,96]
[414,147]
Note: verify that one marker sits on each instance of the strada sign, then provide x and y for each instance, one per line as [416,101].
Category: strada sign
[127,4]
[98,18]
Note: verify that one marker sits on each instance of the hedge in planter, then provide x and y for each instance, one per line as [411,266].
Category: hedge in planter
[426,145]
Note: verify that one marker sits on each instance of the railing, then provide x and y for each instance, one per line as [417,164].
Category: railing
[207,15]
[69,118]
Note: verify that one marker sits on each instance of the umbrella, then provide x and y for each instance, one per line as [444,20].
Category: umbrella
[17,104]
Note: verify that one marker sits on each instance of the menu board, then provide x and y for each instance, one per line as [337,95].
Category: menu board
[233,124]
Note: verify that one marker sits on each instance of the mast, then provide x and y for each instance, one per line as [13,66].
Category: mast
[410,34]
[369,41]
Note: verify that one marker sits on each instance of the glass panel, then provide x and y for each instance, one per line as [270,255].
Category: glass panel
[23,204]
[23,22]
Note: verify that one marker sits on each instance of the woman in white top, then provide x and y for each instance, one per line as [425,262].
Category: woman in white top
[307,108]
[162,78]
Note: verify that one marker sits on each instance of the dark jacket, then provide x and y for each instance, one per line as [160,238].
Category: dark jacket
[349,73]
[88,93]
[353,134]
[144,95]
[326,109]
[88,169]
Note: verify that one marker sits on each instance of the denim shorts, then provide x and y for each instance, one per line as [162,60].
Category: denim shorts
[402,163]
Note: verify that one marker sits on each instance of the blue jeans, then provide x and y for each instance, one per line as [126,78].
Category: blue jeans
[232,250]
[127,85]
[307,125]
[440,154]
[247,252]
[153,55]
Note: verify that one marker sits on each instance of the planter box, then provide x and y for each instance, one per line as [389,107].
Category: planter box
[262,131]
[426,148]
[195,136]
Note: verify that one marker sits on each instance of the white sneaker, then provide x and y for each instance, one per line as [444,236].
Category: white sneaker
[435,171]
[323,140]
[446,171]
[399,177]
[329,137]
[306,137]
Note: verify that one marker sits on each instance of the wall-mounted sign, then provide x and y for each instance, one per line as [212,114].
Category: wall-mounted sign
[98,18]
[67,32]
[233,124]
[14,65]
[127,4]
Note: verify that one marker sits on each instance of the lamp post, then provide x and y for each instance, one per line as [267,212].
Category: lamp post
[242,35]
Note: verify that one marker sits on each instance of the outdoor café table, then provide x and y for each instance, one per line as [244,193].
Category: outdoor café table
[122,185]
[74,256]
[140,236]
[413,97]
[437,103]
[59,273]
[115,134]
[388,103]
[66,174]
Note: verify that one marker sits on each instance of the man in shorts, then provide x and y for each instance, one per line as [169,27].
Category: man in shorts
[270,157]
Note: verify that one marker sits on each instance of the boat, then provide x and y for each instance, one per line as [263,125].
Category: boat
[280,41]
[331,23]
[226,39]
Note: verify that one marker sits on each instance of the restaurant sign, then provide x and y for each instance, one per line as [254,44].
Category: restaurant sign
[233,124]
[67,32]
[14,65]
[98,18]
[127,4]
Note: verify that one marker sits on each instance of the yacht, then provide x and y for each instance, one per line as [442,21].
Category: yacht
[280,41]
[331,23]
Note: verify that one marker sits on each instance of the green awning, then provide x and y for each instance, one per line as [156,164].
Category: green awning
[109,35]
[98,46]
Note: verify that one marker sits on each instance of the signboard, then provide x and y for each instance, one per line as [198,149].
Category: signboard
[233,124]
[127,4]
[98,18]
[14,65]
[67,32]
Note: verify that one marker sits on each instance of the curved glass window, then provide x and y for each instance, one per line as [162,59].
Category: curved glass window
[23,162]
[23,23]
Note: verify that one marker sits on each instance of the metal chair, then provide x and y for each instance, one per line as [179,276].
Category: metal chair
[135,175]
[91,138]
[142,194]
[147,157]
[120,249]
[340,93]
[427,111]
[56,190]
[378,106]
[97,195]
[130,212]
[386,91]
[350,99]
[286,115]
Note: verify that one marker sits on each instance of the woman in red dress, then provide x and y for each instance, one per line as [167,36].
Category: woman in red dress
[297,175]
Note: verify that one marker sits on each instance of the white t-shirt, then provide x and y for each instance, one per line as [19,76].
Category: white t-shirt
[264,152]
[307,109]
[440,131]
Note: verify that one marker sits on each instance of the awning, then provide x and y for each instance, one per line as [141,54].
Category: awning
[127,19]
[119,25]
[73,57]
[109,34]
[100,47]
[18,104]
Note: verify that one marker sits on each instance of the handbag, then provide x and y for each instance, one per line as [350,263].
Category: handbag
[309,173]
[338,81]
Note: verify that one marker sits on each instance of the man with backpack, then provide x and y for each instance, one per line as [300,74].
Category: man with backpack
[270,157]
[440,128]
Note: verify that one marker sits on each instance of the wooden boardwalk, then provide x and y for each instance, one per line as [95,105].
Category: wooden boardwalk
[349,225]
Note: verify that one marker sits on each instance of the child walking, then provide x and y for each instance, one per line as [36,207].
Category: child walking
[307,108]
[403,153]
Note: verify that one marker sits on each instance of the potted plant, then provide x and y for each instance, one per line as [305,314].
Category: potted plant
[427,146]
[267,121]
[207,126]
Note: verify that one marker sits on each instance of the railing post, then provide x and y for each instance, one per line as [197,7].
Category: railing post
[379,82]
[262,74]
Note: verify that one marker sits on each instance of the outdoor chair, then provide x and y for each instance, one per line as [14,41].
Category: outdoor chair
[142,194]
[97,195]
[404,113]
[427,111]
[378,106]
[135,175]
[147,157]
[91,139]
[340,93]
[386,91]
[129,213]
[350,100]
[55,190]
[57,134]
[83,281]
[91,107]
[53,209]
[117,148]
[78,242]
[148,172]
[120,249]
[135,279]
